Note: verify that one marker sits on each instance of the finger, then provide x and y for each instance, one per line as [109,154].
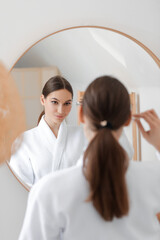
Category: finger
[154,113]
[152,116]
[155,118]
[138,115]
[151,112]
[149,118]
[152,119]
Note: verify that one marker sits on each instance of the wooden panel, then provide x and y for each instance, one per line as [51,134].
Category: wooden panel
[47,73]
[79,98]
[30,82]
[134,127]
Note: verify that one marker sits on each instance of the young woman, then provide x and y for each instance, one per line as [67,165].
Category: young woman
[52,145]
[110,197]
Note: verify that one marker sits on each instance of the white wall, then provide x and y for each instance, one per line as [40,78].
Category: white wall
[24,22]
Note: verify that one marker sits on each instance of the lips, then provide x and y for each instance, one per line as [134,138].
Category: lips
[59,116]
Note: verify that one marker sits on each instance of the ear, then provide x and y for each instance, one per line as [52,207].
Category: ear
[42,99]
[80,114]
[128,121]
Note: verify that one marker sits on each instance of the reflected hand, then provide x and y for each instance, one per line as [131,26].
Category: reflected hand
[153,135]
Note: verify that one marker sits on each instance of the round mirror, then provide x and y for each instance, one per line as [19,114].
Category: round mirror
[80,55]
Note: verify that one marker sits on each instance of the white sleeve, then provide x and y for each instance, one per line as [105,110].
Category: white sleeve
[40,222]
[158,155]
[21,165]
[126,145]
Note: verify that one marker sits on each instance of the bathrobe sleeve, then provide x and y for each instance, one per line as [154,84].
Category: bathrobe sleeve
[21,164]
[42,221]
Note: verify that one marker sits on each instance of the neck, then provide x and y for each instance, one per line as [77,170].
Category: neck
[53,126]
[116,133]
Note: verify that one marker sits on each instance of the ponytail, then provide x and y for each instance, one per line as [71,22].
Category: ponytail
[40,116]
[105,165]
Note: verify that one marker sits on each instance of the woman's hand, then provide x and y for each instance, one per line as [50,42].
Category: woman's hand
[153,135]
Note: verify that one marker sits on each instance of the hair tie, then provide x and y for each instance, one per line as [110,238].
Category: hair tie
[105,124]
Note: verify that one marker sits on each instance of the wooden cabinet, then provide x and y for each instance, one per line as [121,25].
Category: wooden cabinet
[30,82]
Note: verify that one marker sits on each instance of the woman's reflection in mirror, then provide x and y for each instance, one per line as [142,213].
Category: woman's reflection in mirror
[53,144]
[57,96]
[109,197]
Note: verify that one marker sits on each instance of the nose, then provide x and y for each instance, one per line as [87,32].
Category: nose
[60,109]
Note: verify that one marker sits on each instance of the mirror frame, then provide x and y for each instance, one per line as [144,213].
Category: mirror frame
[152,55]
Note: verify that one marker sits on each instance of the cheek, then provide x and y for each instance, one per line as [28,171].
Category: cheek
[51,108]
[68,109]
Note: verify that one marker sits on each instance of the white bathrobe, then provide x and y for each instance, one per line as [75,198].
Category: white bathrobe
[57,208]
[41,152]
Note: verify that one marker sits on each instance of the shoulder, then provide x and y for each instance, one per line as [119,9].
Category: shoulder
[75,131]
[146,166]
[30,131]
[58,184]
[76,136]
[24,138]
[145,172]
[28,135]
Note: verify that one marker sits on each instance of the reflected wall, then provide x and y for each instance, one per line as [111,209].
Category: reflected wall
[81,55]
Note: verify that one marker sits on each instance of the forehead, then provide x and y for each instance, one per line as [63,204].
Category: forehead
[62,95]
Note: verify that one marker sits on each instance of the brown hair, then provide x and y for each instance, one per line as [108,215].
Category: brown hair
[54,84]
[105,161]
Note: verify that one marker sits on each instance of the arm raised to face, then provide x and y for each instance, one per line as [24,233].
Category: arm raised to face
[152,135]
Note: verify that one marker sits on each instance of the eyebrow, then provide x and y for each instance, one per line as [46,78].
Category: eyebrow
[70,100]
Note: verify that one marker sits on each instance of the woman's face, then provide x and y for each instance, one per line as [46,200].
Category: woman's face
[57,105]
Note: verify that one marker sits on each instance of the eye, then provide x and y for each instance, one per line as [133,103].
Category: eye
[67,103]
[54,102]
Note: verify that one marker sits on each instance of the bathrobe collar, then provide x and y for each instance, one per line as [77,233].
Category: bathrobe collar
[55,145]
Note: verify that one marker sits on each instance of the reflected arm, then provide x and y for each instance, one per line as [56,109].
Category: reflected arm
[21,165]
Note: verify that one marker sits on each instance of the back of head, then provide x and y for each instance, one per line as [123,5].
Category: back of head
[54,84]
[106,104]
